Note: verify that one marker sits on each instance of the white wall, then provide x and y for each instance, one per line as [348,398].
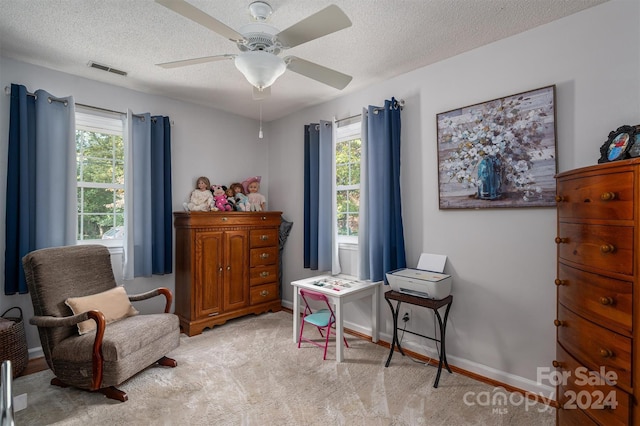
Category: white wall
[502,260]
[213,143]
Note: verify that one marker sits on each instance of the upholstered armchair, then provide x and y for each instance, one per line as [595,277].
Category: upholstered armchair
[91,335]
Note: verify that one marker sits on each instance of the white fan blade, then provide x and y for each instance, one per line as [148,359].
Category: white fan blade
[185,9]
[194,61]
[327,21]
[317,72]
[261,94]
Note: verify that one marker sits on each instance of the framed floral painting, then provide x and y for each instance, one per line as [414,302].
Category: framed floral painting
[500,153]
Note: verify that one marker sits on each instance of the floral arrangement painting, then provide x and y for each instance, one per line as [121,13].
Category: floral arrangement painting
[500,153]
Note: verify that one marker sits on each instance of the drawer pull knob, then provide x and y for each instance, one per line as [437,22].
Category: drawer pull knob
[606,353]
[264,218]
[558,323]
[228,267]
[264,237]
[558,281]
[560,240]
[560,198]
[264,274]
[264,255]
[264,293]
[224,219]
[606,300]
[607,248]
[556,364]
[608,196]
[220,270]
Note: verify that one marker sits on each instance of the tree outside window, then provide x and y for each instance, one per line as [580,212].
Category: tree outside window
[348,153]
[100,175]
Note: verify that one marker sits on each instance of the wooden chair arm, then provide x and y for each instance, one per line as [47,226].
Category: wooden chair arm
[97,361]
[152,293]
[96,356]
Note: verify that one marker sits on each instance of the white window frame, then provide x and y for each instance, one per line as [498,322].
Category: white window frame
[101,122]
[344,133]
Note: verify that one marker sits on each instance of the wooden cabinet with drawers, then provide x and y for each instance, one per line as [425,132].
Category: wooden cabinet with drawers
[598,311]
[226,266]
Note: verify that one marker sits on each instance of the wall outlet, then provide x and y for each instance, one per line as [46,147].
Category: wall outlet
[406,315]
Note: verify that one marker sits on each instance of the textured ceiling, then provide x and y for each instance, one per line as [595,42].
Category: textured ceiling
[387,38]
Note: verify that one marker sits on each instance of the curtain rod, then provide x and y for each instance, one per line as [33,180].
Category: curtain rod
[396,104]
[7,91]
[348,118]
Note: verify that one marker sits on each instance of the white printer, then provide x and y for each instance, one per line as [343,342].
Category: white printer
[427,280]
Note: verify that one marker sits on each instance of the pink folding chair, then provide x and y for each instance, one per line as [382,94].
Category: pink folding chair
[322,319]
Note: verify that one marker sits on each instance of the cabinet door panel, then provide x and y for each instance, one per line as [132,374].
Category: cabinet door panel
[236,270]
[208,268]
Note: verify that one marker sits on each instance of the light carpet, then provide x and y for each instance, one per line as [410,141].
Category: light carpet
[249,372]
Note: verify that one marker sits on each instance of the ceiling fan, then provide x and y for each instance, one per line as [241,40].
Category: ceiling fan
[260,44]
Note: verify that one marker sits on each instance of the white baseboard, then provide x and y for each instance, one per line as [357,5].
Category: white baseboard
[509,379]
[36,353]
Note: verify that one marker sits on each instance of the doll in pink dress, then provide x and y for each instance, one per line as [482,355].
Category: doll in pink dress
[257,201]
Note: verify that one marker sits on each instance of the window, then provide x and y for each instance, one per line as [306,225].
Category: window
[348,152]
[100,174]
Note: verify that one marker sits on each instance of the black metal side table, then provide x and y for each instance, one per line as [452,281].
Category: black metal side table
[427,303]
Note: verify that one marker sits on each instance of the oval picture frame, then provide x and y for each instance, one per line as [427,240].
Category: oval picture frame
[619,144]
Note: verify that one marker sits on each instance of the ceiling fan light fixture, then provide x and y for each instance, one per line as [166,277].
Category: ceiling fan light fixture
[261,69]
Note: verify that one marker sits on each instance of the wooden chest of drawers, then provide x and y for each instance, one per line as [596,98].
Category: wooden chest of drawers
[597,328]
[226,266]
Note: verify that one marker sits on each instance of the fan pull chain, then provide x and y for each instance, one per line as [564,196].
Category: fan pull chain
[260,134]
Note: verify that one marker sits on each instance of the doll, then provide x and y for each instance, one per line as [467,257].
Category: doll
[242,202]
[201,199]
[220,198]
[257,201]
[231,197]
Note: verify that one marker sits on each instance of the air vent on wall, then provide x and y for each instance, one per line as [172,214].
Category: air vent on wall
[107,68]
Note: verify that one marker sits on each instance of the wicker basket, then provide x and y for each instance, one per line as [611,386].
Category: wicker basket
[13,343]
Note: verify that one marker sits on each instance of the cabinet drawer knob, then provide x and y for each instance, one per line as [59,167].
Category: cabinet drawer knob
[606,353]
[228,267]
[560,198]
[608,196]
[606,300]
[264,237]
[558,281]
[556,364]
[220,270]
[264,255]
[264,293]
[264,218]
[264,274]
[607,248]
[560,240]
[224,219]
[558,323]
